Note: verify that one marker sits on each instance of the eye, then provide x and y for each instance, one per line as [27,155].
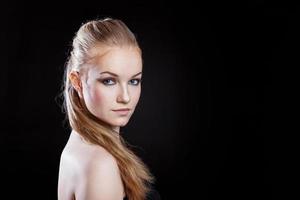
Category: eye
[108,81]
[135,81]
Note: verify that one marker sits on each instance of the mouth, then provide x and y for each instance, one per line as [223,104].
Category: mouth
[122,109]
[122,112]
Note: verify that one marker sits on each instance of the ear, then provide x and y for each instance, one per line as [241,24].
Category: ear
[76,82]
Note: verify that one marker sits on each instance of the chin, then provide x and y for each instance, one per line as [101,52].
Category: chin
[120,123]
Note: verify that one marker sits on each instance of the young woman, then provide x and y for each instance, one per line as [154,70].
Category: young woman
[102,86]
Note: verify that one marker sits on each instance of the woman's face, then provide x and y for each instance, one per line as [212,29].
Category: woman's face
[111,81]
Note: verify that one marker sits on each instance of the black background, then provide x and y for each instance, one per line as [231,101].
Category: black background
[214,116]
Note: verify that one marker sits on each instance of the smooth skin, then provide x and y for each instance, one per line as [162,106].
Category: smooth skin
[87,171]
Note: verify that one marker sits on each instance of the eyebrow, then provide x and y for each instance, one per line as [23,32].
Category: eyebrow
[113,74]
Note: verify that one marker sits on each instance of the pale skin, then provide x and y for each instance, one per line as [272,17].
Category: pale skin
[89,172]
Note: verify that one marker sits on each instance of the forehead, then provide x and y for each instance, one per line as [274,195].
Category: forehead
[119,60]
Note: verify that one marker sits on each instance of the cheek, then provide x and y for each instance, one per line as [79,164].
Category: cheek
[92,95]
[101,97]
[98,96]
[136,95]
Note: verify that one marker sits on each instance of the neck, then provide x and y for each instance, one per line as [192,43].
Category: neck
[76,137]
[117,129]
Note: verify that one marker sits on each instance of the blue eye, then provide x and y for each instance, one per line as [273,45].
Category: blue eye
[135,81]
[108,81]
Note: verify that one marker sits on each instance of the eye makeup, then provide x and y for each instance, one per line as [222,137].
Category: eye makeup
[112,81]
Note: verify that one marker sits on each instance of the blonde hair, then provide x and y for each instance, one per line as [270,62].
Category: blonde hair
[135,175]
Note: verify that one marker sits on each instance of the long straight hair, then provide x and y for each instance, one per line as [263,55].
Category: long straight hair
[104,33]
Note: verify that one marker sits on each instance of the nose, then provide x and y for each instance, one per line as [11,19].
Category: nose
[123,96]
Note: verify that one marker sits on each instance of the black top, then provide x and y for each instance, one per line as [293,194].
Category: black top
[152,195]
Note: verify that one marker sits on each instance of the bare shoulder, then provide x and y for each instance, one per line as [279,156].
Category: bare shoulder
[98,158]
[99,177]
[67,176]
[89,172]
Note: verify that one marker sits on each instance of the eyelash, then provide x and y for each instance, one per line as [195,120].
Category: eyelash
[108,79]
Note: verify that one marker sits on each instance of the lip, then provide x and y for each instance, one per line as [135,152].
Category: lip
[122,112]
[122,109]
